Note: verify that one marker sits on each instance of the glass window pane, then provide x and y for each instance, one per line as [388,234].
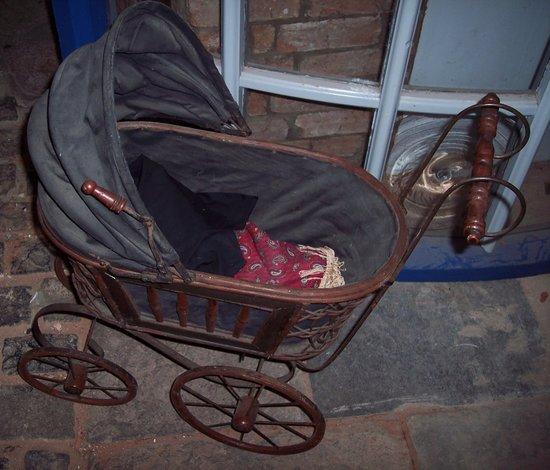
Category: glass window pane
[330,38]
[334,130]
[479,45]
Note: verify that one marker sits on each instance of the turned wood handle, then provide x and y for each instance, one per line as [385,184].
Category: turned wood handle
[110,200]
[478,198]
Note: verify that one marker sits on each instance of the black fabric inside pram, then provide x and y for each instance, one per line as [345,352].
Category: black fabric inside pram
[300,200]
[200,226]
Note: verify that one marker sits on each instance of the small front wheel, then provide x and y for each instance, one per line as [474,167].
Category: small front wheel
[248,410]
[77,376]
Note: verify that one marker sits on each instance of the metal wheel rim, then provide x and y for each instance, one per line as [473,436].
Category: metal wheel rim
[126,378]
[284,390]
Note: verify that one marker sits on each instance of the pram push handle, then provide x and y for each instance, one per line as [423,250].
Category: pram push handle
[116,203]
[478,198]
[110,200]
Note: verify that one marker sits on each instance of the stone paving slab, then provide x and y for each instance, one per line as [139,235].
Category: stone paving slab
[150,413]
[29,414]
[504,435]
[14,305]
[437,343]
[537,292]
[42,454]
[350,443]
[42,460]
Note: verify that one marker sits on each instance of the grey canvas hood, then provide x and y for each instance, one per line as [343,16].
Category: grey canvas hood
[148,66]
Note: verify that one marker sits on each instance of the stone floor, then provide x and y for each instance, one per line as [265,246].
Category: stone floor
[440,376]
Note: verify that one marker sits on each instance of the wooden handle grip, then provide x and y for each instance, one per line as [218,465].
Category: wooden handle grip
[478,198]
[110,200]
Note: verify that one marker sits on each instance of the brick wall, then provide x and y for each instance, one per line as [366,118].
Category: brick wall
[334,38]
[28,59]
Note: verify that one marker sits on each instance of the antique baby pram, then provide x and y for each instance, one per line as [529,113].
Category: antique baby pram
[150,66]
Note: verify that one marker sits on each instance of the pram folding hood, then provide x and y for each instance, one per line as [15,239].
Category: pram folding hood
[149,65]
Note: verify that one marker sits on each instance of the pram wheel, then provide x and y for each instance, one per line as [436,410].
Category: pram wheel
[266,416]
[77,376]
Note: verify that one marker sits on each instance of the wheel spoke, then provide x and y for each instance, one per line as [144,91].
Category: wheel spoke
[106,392]
[263,436]
[219,425]
[190,403]
[286,423]
[206,400]
[47,379]
[112,389]
[94,368]
[229,388]
[277,423]
[257,394]
[276,405]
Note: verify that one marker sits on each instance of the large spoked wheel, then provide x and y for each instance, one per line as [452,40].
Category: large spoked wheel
[260,415]
[77,376]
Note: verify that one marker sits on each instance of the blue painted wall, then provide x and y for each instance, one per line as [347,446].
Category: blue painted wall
[79,22]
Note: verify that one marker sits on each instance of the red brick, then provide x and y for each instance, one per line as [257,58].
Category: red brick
[256,103]
[339,8]
[203,13]
[273,61]
[262,10]
[333,122]
[210,39]
[268,128]
[293,105]
[362,63]
[328,34]
[262,37]
[340,145]
[386,5]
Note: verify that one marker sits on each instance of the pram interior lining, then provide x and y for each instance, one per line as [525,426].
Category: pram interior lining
[300,199]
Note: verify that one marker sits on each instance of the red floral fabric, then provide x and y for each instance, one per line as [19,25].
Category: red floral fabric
[277,263]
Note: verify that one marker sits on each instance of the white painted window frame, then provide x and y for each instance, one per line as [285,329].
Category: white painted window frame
[386,99]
